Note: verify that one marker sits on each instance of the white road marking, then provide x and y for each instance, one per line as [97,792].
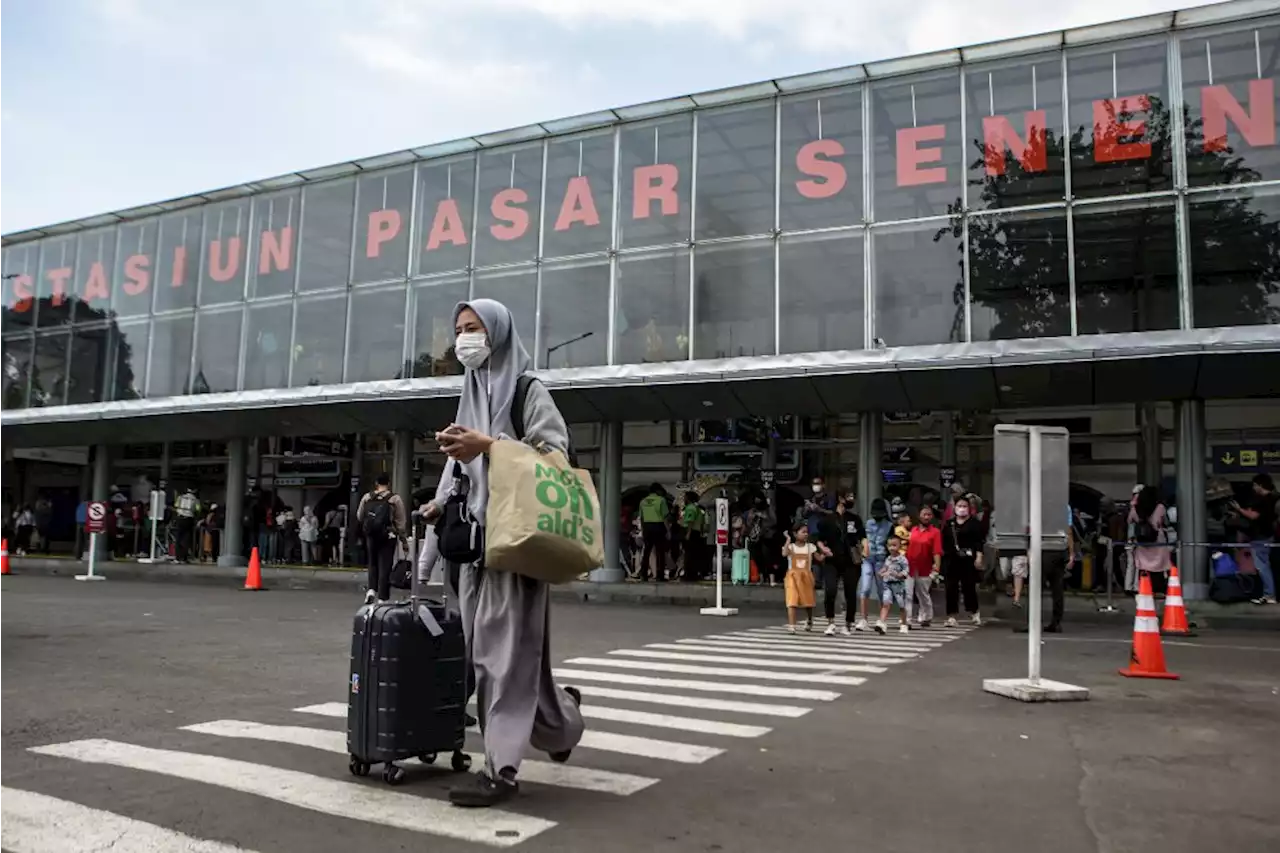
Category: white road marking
[699,686]
[325,709]
[679,701]
[667,721]
[375,804]
[902,649]
[941,636]
[729,658]
[683,753]
[910,644]
[729,672]
[540,772]
[35,823]
[747,649]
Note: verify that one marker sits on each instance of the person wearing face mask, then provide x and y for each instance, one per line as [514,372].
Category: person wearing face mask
[816,507]
[506,616]
[962,545]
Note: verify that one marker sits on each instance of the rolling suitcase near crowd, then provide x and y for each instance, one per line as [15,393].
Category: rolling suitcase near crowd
[407,691]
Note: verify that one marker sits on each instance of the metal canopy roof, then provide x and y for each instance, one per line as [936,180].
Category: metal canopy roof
[1233,10]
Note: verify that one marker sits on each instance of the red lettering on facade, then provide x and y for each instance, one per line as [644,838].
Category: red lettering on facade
[655,183]
[221,269]
[137,275]
[179,266]
[275,249]
[447,226]
[504,209]
[1113,121]
[384,225]
[999,136]
[58,279]
[24,293]
[578,205]
[911,157]
[95,285]
[810,160]
[1257,126]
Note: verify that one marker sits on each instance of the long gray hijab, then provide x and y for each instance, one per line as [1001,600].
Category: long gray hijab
[487,394]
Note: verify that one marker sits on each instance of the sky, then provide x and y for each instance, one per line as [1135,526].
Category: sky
[108,104]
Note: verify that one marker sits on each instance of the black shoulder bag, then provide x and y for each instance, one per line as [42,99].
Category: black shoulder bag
[460,534]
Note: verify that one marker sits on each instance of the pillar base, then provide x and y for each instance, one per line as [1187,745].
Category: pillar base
[1195,591]
[719,611]
[232,561]
[607,576]
[90,578]
[1040,690]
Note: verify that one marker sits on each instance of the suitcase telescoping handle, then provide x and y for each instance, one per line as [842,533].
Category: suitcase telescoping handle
[419,604]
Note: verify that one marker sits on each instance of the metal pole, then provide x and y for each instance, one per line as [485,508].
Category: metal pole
[1034,558]
[231,552]
[719,575]
[93,554]
[1110,568]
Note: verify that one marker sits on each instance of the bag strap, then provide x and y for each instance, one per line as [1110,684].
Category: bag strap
[523,381]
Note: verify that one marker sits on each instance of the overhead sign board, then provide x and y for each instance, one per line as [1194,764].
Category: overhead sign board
[1246,459]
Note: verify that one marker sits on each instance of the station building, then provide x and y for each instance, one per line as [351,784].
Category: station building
[856,272]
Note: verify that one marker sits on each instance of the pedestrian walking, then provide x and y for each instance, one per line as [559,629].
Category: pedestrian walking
[875,549]
[962,548]
[895,576]
[1260,521]
[383,523]
[799,582]
[924,557]
[308,534]
[837,545]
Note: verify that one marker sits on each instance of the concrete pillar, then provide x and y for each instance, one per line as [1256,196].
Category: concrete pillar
[402,466]
[1190,445]
[86,493]
[232,546]
[1151,456]
[358,488]
[166,468]
[611,502]
[101,490]
[870,455]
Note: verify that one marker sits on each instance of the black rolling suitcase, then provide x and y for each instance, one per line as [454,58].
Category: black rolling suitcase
[407,692]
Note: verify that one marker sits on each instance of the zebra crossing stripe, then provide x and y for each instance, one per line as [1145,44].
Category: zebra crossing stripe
[727,657]
[539,772]
[682,753]
[681,701]
[35,823]
[667,721]
[696,685]
[374,804]
[744,649]
[819,639]
[830,644]
[324,709]
[728,672]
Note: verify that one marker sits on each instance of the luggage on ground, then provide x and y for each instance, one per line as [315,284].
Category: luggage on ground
[741,572]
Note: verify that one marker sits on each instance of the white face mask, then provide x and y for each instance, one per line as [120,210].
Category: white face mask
[472,349]
[817,488]
[962,512]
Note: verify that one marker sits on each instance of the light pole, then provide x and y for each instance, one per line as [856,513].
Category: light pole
[563,344]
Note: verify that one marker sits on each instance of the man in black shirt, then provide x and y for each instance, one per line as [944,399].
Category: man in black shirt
[1261,516]
[838,546]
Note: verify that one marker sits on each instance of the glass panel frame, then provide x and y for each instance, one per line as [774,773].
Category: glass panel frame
[273,252]
[821,162]
[737,275]
[225,253]
[736,181]
[384,226]
[267,342]
[368,358]
[446,216]
[433,301]
[573,313]
[655,182]
[661,299]
[328,228]
[1019,271]
[134,277]
[908,314]
[216,362]
[918,159]
[169,359]
[810,306]
[1103,248]
[318,351]
[1235,268]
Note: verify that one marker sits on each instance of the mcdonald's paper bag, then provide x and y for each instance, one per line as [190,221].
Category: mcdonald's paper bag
[543,518]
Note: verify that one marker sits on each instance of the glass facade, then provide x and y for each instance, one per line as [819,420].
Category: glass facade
[1129,186]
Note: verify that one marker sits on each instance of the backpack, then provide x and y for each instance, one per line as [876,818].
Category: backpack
[523,382]
[377,522]
[459,534]
[1144,532]
[755,532]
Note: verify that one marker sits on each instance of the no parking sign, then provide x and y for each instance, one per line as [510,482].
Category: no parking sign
[95,517]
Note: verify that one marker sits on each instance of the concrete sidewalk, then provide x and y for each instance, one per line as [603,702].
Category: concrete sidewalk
[1080,608]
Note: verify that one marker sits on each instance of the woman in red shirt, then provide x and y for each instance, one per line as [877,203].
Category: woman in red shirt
[924,557]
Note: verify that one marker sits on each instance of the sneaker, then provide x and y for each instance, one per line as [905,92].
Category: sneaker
[925,623]
[903,629]
[880,629]
[846,631]
[791,629]
[470,720]
[1017,605]
[576,696]
[808,626]
[370,596]
[831,630]
[861,625]
[977,620]
[951,622]
[483,791]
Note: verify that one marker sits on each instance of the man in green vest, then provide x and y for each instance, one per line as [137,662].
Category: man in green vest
[653,525]
[693,521]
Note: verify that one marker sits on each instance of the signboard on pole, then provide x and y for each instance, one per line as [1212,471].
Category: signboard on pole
[1013,484]
[95,517]
[722,539]
[722,521]
[946,476]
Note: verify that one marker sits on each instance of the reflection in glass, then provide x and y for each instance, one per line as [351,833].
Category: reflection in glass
[918,156]
[49,369]
[655,162]
[17,370]
[579,195]
[319,335]
[376,349]
[653,307]
[518,290]
[226,252]
[821,292]
[383,203]
[510,192]
[433,335]
[21,268]
[87,370]
[1018,280]
[733,300]
[56,284]
[134,277]
[1126,271]
[1229,87]
[129,378]
[171,339]
[1119,121]
[275,244]
[822,160]
[95,262]
[919,286]
[217,351]
[575,314]
[1015,153]
[735,171]
[324,254]
[268,329]
[1235,262]
[178,263]
[446,200]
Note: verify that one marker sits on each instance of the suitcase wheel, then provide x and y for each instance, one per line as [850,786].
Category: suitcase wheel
[358,767]
[392,775]
[461,761]
[427,758]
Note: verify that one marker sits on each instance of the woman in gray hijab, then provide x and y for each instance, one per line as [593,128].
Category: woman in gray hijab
[505,616]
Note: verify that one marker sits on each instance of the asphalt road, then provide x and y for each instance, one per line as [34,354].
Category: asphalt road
[751,741]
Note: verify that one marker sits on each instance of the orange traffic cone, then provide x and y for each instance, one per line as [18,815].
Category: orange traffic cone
[1146,659]
[1175,613]
[253,580]
[4,557]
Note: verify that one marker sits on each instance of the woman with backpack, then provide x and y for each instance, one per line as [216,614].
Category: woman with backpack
[1147,526]
[505,616]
